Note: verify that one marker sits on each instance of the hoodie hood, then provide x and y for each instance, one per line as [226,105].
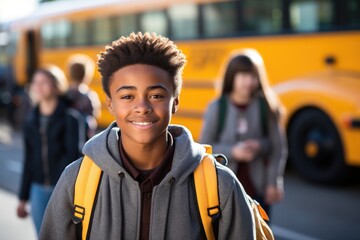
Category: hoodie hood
[103,149]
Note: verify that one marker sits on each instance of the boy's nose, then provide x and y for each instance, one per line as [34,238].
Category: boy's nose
[143,107]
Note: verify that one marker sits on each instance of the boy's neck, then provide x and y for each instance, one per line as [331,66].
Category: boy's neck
[146,156]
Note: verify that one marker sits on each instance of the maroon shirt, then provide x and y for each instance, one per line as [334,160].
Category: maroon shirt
[243,172]
[147,180]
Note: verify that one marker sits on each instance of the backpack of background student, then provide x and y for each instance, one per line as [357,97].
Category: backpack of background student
[206,186]
[82,126]
[74,108]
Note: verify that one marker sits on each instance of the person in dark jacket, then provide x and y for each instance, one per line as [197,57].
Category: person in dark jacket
[80,96]
[50,142]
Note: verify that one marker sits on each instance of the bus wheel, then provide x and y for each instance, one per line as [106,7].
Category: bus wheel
[315,148]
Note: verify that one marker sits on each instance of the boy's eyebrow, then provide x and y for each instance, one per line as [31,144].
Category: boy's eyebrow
[125,88]
[156,87]
[148,88]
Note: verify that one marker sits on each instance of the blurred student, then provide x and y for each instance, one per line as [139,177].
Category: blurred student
[80,96]
[50,142]
[244,123]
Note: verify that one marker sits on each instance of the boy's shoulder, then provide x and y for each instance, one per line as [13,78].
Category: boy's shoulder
[227,181]
[225,174]
[64,188]
[71,171]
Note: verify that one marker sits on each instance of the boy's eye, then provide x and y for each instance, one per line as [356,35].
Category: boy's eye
[157,96]
[126,97]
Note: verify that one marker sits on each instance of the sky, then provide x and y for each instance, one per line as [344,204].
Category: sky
[11,9]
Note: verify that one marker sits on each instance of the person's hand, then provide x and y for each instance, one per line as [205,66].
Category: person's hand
[241,153]
[253,146]
[21,210]
[273,195]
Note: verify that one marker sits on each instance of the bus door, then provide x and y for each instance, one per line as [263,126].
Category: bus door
[25,64]
[31,54]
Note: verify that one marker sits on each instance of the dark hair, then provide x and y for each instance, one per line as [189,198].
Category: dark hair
[238,64]
[47,73]
[141,48]
[77,72]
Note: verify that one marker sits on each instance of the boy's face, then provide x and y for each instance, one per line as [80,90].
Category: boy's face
[142,101]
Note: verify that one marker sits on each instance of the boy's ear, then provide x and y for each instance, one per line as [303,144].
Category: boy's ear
[175,105]
[110,105]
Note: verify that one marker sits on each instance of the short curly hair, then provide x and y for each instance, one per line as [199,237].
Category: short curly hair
[139,48]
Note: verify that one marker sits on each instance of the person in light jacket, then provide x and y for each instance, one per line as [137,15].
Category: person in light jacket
[146,189]
[244,124]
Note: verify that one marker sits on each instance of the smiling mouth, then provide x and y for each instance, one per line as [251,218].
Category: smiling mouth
[142,123]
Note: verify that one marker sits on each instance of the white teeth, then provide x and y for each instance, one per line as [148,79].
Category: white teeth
[142,123]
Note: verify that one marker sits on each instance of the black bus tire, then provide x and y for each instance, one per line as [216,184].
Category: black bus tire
[315,148]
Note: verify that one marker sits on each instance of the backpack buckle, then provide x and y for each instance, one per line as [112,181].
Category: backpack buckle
[79,214]
[214,212]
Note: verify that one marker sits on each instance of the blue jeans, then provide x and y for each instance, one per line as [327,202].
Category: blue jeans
[39,197]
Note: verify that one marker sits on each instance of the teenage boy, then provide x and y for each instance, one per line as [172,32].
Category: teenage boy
[147,188]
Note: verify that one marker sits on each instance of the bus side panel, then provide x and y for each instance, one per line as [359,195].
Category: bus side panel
[318,95]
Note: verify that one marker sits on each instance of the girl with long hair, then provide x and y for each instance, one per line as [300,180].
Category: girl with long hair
[244,124]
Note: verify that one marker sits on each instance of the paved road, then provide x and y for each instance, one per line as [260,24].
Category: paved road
[317,212]
[11,154]
[308,211]
[11,159]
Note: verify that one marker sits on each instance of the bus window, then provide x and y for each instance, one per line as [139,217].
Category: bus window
[261,16]
[62,30]
[79,33]
[47,35]
[101,32]
[56,34]
[154,21]
[311,16]
[124,25]
[352,12]
[4,41]
[220,19]
[184,21]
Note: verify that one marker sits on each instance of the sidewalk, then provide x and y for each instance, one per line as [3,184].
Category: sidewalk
[11,227]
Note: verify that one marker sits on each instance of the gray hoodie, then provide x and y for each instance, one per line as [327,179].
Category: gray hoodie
[174,213]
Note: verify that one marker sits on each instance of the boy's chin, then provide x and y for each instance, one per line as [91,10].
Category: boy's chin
[148,139]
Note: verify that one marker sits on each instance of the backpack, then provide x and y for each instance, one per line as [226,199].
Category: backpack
[206,187]
[82,126]
[76,109]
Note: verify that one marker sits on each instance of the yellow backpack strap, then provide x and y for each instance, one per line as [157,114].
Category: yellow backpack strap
[86,186]
[206,188]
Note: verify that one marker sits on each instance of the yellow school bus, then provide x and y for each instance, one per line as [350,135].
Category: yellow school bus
[311,51]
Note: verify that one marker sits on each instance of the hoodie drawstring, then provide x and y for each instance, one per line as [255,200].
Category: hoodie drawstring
[171,182]
[121,176]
